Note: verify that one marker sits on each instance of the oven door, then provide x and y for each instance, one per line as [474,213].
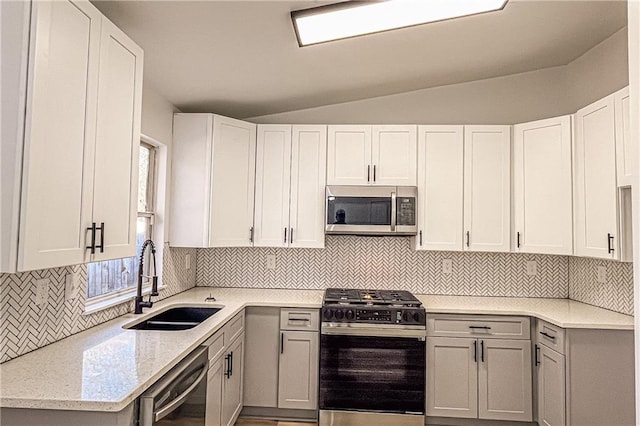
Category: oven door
[372,373]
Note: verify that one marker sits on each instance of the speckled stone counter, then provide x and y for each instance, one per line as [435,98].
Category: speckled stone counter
[107,367]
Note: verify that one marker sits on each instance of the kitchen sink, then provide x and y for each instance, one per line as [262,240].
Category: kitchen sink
[174,319]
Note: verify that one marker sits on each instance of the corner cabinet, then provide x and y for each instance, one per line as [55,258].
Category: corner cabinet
[213,171]
[80,158]
[596,197]
[543,215]
[371,155]
[290,186]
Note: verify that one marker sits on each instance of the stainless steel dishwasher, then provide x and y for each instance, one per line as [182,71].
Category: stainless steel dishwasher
[179,397]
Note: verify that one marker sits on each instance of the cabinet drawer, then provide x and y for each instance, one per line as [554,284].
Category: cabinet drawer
[485,326]
[299,319]
[550,335]
[234,328]
[216,346]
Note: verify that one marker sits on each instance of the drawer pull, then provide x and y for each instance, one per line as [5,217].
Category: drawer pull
[548,335]
[479,327]
[475,351]
[299,319]
[537,355]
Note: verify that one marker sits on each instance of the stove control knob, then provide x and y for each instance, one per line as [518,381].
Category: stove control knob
[417,317]
[328,313]
[406,317]
[349,315]
[339,314]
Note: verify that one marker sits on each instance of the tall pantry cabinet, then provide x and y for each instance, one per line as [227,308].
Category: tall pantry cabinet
[74,187]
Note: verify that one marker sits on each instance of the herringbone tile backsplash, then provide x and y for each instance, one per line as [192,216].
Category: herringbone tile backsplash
[616,293]
[384,262]
[25,326]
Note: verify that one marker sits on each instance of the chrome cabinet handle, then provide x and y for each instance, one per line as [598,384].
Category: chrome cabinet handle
[393,210]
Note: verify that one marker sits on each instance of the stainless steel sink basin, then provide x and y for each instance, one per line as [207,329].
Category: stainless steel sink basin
[174,319]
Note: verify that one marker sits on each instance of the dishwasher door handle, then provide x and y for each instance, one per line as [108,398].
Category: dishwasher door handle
[176,403]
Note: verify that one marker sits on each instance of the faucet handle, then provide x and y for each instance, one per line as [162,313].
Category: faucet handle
[154,286]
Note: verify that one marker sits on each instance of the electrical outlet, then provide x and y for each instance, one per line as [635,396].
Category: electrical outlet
[70,287]
[532,267]
[602,274]
[187,261]
[42,291]
[447,266]
[271,261]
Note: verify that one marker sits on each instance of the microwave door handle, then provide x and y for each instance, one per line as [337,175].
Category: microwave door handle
[173,405]
[393,212]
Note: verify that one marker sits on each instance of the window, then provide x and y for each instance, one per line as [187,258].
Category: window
[115,277]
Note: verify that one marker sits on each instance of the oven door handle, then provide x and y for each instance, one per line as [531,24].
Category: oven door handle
[176,403]
[375,332]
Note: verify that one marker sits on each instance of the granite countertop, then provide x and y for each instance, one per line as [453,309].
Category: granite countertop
[107,367]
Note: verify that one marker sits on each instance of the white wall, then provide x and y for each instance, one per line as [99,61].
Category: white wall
[502,100]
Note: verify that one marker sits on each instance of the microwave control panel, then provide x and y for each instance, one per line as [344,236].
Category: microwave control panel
[406,211]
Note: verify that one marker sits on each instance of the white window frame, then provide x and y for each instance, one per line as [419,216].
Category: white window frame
[160,174]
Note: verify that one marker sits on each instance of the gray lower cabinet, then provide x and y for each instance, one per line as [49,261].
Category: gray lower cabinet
[475,373]
[281,360]
[225,378]
[298,370]
[551,389]
[585,377]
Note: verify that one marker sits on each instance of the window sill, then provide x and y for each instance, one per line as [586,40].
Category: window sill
[91,307]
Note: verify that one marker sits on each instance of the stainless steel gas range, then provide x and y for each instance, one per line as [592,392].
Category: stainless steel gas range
[372,358]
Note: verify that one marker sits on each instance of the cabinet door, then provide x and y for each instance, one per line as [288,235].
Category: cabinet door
[394,155]
[452,378]
[308,180]
[232,383]
[625,150]
[551,388]
[191,180]
[542,186]
[595,184]
[298,372]
[504,380]
[440,171]
[262,352]
[487,188]
[233,181]
[213,411]
[115,182]
[349,155]
[273,176]
[59,134]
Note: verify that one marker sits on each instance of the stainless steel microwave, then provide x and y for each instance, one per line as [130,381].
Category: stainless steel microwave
[371,210]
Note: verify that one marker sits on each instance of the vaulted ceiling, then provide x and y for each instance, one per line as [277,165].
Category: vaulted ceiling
[241,58]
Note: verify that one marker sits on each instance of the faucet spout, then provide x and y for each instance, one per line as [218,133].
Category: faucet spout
[139,302]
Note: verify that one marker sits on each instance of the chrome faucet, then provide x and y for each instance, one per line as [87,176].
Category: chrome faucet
[139,303]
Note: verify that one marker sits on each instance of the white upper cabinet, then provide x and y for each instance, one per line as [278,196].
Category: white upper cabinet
[596,213]
[393,155]
[79,164]
[487,188]
[542,187]
[115,183]
[371,155]
[273,180]
[440,185]
[213,177]
[290,182]
[308,181]
[625,150]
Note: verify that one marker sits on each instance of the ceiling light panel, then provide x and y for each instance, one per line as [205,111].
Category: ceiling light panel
[351,19]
